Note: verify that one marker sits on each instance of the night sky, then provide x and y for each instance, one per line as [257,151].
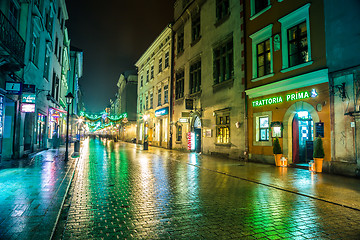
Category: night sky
[113,35]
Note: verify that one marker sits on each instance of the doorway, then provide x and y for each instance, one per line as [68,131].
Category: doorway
[197,131]
[302,137]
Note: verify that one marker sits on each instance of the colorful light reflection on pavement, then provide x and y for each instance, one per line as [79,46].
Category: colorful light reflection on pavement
[120,191]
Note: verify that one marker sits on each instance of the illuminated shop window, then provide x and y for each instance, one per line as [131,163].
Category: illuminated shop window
[264,128]
[223,128]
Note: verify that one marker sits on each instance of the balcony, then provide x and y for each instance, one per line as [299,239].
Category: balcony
[12,46]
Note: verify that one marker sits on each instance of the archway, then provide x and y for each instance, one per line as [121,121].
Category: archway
[288,125]
[196,126]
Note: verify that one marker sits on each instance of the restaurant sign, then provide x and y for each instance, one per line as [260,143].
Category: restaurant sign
[287,98]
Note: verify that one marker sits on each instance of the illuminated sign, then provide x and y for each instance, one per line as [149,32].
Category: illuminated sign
[28,107]
[28,98]
[162,111]
[13,88]
[183,120]
[288,98]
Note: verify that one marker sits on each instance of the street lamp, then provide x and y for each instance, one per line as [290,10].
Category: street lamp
[69,97]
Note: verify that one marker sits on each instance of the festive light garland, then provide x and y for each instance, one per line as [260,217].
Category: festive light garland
[94,121]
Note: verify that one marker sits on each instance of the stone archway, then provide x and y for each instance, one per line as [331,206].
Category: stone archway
[287,121]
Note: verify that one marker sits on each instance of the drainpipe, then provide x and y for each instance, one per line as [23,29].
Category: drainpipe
[246,157]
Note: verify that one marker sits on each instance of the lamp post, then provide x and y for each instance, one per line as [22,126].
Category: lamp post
[69,97]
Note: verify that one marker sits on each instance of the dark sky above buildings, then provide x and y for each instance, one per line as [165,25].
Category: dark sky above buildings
[113,35]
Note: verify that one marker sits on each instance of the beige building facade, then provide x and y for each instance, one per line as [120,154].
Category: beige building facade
[154,72]
[208,95]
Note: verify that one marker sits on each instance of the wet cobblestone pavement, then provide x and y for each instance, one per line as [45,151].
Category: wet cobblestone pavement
[122,192]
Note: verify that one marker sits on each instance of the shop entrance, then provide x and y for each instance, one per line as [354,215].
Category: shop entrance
[302,137]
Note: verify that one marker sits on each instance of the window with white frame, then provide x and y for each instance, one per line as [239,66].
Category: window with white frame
[261,133]
[147,76]
[141,80]
[295,39]
[34,49]
[262,53]
[151,100]
[160,65]
[259,6]
[152,72]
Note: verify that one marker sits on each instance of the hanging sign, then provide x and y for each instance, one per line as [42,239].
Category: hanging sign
[287,98]
[189,140]
[183,120]
[162,111]
[28,98]
[13,88]
[29,88]
[28,107]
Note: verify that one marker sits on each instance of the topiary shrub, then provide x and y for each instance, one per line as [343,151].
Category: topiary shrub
[277,147]
[318,148]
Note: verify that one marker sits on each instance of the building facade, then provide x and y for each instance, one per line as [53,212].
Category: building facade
[287,79]
[154,74]
[126,102]
[209,78]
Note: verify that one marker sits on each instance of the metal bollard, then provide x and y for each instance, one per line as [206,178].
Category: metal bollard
[77,146]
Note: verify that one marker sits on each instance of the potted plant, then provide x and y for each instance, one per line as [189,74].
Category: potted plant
[277,151]
[318,154]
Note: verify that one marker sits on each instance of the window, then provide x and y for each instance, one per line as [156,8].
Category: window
[195,77]
[141,80]
[34,52]
[160,65]
[223,62]
[259,6]
[152,72]
[222,9]
[37,3]
[261,124]
[263,58]
[49,22]
[159,96]
[56,46]
[223,128]
[295,39]
[147,102]
[141,105]
[179,90]
[13,14]
[166,59]
[151,100]
[166,93]
[195,28]
[297,44]
[263,128]
[262,64]
[179,133]
[147,75]
[55,87]
[180,41]
[46,64]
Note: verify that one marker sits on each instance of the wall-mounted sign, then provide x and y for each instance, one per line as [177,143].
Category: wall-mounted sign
[28,88]
[319,129]
[13,88]
[162,111]
[183,120]
[289,97]
[189,104]
[28,107]
[28,98]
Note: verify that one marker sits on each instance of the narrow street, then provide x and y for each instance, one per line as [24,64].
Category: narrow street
[120,191]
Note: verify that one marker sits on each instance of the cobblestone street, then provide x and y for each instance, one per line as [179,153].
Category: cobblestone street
[120,191]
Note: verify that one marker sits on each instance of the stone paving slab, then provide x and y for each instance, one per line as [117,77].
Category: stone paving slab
[31,194]
[122,192]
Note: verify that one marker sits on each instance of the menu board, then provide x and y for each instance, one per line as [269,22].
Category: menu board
[319,129]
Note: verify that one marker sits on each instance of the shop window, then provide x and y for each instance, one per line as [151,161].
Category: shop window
[295,39]
[261,128]
[179,90]
[223,128]
[262,51]
[222,9]
[223,62]
[195,77]
[179,133]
